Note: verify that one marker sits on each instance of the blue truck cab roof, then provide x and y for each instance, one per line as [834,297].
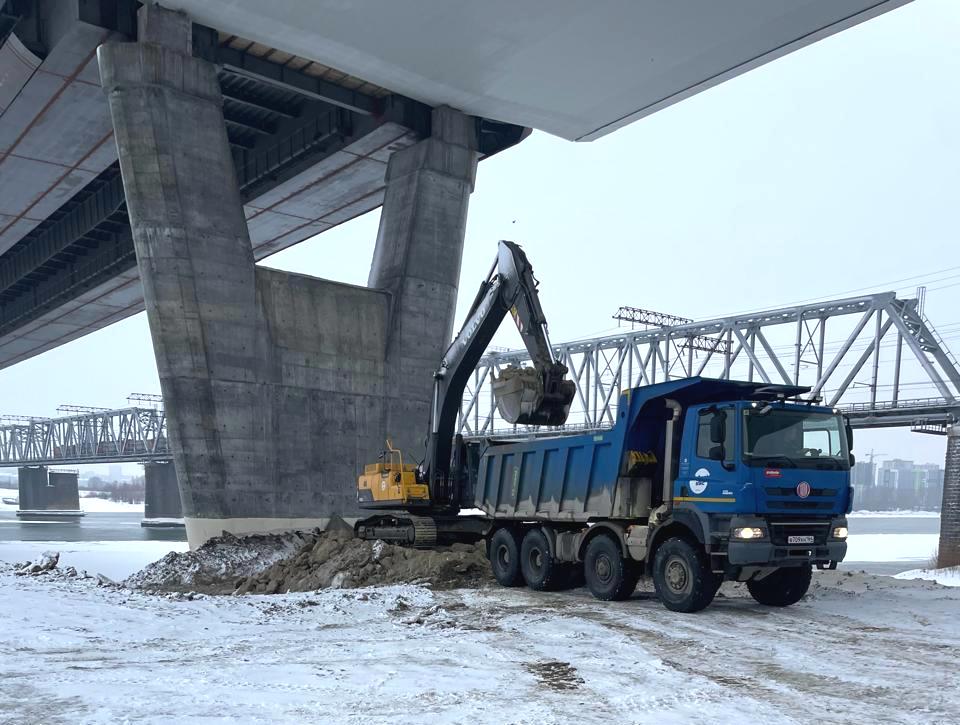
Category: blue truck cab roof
[694,391]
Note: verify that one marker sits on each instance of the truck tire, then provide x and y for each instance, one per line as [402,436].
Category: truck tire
[504,555]
[783,587]
[609,576]
[682,576]
[540,570]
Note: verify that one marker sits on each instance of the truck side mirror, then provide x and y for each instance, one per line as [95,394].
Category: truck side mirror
[849,428]
[716,453]
[718,427]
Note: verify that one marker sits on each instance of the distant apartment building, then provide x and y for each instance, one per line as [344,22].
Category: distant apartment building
[897,484]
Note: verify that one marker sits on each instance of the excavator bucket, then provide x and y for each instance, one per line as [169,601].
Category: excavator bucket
[525,396]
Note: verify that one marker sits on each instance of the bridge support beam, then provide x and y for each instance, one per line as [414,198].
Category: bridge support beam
[45,493]
[949,549]
[162,507]
[277,386]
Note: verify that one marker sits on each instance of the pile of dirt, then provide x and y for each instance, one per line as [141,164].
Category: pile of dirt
[339,561]
[307,561]
[219,565]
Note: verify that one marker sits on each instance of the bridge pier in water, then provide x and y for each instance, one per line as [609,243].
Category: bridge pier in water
[277,386]
[48,494]
[161,503]
[949,549]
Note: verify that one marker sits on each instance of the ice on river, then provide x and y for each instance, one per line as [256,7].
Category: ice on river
[858,649]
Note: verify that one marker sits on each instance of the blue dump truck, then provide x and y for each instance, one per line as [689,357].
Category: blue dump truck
[699,481]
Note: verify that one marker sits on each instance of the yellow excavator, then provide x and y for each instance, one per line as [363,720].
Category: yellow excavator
[425,500]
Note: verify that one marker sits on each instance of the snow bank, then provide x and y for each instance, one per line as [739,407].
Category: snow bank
[948,576]
[219,566]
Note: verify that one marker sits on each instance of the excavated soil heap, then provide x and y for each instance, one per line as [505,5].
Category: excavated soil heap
[338,561]
[307,561]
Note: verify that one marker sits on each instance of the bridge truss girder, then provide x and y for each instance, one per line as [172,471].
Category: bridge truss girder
[108,436]
[601,367]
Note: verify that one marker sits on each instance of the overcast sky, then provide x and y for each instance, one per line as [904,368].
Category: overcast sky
[833,170]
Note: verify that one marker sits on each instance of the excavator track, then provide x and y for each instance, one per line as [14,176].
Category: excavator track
[422,532]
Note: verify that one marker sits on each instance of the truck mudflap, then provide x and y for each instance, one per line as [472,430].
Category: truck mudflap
[787,543]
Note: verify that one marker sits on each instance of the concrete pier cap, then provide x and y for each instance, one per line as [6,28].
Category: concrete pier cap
[278,387]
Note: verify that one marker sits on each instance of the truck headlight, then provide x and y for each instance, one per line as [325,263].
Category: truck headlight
[840,532]
[748,532]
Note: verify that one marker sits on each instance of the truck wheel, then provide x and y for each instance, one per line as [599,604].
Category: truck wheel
[783,587]
[609,576]
[504,555]
[540,570]
[682,576]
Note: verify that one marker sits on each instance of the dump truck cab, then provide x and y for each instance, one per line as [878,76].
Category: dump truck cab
[766,479]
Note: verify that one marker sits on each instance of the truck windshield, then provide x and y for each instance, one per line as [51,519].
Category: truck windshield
[786,438]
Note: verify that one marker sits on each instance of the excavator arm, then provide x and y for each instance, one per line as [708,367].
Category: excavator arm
[528,396]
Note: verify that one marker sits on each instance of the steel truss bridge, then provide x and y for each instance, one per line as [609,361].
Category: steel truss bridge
[87,436]
[787,345]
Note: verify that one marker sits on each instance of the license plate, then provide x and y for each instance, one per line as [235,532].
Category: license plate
[799,539]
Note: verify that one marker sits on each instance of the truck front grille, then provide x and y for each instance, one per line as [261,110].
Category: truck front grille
[816,492]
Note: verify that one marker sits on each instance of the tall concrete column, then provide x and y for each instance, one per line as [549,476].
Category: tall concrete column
[195,258]
[949,550]
[161,498]
[417,260]
[278,387]
[32,484]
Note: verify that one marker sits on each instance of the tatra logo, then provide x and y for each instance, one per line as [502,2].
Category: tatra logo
[803,489]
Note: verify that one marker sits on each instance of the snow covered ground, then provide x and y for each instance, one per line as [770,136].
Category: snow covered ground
[87,503]
[859,649]
[948,577]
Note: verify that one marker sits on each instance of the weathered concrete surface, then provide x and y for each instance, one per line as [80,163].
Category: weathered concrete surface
[949,549]
[278,387]
[161,493]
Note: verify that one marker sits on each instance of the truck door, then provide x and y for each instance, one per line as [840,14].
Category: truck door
[710,480]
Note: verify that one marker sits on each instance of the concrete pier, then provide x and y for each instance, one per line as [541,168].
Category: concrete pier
[244,352]
[949,549]
[48,494]
[162,508]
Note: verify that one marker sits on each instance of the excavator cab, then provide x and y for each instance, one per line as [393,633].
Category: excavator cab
[390,483]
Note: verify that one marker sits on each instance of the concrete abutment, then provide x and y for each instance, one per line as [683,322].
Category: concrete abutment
[277,386]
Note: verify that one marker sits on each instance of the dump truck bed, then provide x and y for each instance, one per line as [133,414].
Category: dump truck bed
[568,478]
[602,474]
